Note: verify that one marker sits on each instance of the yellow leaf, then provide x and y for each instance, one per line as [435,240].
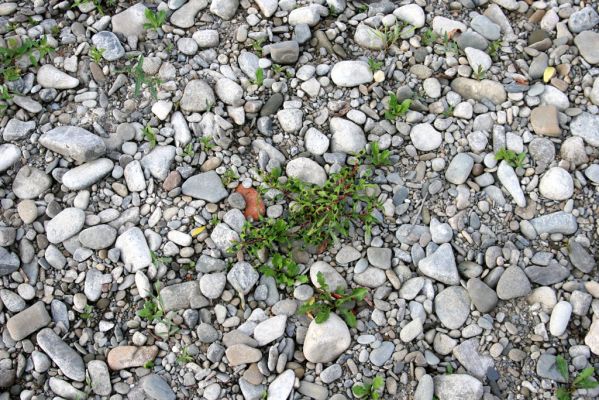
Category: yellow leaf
[195,232]
[548,74]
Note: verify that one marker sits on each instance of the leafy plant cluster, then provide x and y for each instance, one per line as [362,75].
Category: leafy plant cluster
[372,390]
[516,160]
[153,311]
[99,4]
[317,215]
[584,380]
[378,157]
[154,19]
[391,35]
[479,73]
[284,270]
[395,108]
[325,301]
[374,65]
[140,78]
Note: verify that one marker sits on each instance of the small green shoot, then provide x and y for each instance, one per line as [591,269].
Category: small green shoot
[448,111]
[96,54]
[584,380]
[363,8]
[374,65]
[184,357]
[494,48]
[157,260]
[257,45]
[149,364]
[372,390]
[259,77]
[5,96]
[188,150]
[150,136]
[87,312]
[284,270]
[154,19]
[277,68]
[516,160]
[140,78]
[206,143]
[390,35]
[229,177]
[214,220]
[397,109]
[377,157]
[479,73]
[340,301]
[451,46]
[449,369]
[333,12]
[428,37]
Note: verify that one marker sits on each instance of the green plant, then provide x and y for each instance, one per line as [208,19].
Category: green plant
[493,48]
[363,8]
[451,46]
[257,45]
[154,19]
[206,143]
[156,259]
[149,364]
[188,150]
[372,390]
[317,214]
[184,357]
[448,111]
[333,12]
[87,312]
[229,176]
[259,77]
[214,220]
[277,68]
[340,301]
[5,96]
[150,136]
[284,270]
[428,37]
[582,381]
[479,73]
[140,78]
[96,54]
[390,35]
[449,369]
[34,50]
[397,109]
[374,65]
[377,157]
[99,4]
[516,160]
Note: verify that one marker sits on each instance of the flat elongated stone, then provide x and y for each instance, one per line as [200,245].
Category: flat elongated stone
[68,360]
[124,357]
[557,222]
[242,354]
[85,175]
[206,186]
[182,296]
[28,321]
[74,142]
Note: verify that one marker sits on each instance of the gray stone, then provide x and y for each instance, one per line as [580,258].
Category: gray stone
[508,178]
[457,386]
[9,155]
[131,21]
[483,297]
[425,138]
[48,76]
[207,333]
[459,169]
[316,142]
[290,119]
[267,7]
[182,296]
[206,38]
[229,92]
[100,377]
[270,330]
[441,265]
[546,368]
[381,354]
[553,96]
[580,257]
[9,262]
[326,341]
[212,285]
[549,275]
[185,16]
[486,27]
[224,8]
[592,337]
[379,257]
[479,90]
[308,15]
[206,186]
[65,225]
[347,137]
[556,184]
[413,14]
[560,317]
[371,277]
[467,354]
[442,25]
[134,249]
[16,129]
[282,386]
[248,63]
[557,222]
[242,277]
[425,389]
[366,37]
[110,44]
[452,307]
[411,331]
[197,96]
[28,321]
[85,175]
[513,283]
[351,73]
[333,278]
[306,170]
[331,373]
[74,142]
[68,360]
[224,237]
[478,59]
[159,161]
[286,52]
[586,126]
[238,354]
[583,20]
[134,177]
[156,388]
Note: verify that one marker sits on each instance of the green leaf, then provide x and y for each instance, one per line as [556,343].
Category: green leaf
[562,394]
[322,281]
[587,384]
[378,382]
[359,294]
[584,374]
[349,318]
[359,390]
[562,366]
[322,315]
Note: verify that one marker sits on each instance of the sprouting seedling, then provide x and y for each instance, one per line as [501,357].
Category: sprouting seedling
[428,37]
[379,157]
[374,65]
[154,19]
[479,73]
[493,48]
[188,150]
[184,357]
[150,136]
[96,54]
[372,390]
[515,160]
[206,143]
[257,45]
[397,109]
[584,380]
[284,270]
[259,77]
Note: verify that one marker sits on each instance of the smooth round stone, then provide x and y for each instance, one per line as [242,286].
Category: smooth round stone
[560,316]
[556,184]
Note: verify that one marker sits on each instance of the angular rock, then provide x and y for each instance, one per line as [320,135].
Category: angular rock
[556,184]
[182,296]
[206,186]
[347,137]
[238,354]
[30,182]
[326,341]
[131,21]
[513,283]
[197,96]
[159,161]
[458,386]
[452,307]
[48,76]
[85,175]
[65,225]
[134,249]
[441,265]
[74,142]
[557,222]
[586,126]
[306,170]
[242,277]
[9,155]
[508,178]
[109,44]
[270,330]
[479,90]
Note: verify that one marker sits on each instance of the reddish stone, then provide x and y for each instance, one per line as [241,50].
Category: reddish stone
[254,206]
[173,180]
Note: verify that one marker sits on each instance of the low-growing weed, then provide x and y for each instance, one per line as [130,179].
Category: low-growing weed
[372,390]
[479,73]
[584,379]
[140,78]
[259,80]
[154,19]
[150,136]
[184,357]
[378,157]
[284,270]
[374,65]
[340,301]
[494,48]
[397,109]
[428,37]
[96,54]
[516,160]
